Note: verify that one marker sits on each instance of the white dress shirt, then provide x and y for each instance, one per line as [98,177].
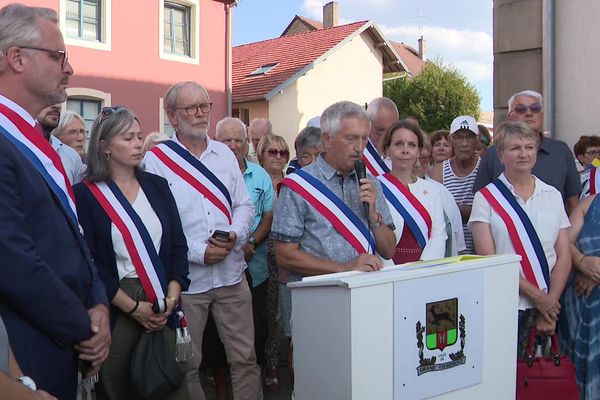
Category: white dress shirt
[429,195]
[200,218]
[71,160]
[546,212]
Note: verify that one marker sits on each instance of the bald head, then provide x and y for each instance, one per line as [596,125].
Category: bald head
[258,129]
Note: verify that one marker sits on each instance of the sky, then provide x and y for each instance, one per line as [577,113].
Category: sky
[458,31]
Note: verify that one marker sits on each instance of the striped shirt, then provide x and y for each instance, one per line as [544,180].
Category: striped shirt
[461,189]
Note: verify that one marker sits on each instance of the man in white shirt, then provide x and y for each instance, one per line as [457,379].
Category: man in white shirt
[216,266]
[74,167]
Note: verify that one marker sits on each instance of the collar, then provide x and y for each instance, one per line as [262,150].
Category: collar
[326,169]
[540,186]
[210,145]
[18,109]
[55,142]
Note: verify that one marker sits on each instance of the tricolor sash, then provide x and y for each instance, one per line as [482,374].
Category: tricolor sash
[343,219]
[191,170]
[521,232]
[135,235]
[594,180]
[408,206]
[373,160]
[44,158]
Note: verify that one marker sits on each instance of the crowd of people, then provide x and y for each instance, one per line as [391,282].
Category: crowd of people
[192,239]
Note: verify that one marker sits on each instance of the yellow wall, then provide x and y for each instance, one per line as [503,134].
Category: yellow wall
[354,72]
[256,109]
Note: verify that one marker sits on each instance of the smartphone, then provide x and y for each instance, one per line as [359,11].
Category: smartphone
[221,236]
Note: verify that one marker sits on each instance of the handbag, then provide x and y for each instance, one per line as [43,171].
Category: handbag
[546,378]
[154,372]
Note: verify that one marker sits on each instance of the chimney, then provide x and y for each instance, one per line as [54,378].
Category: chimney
[331,14]
[422,48]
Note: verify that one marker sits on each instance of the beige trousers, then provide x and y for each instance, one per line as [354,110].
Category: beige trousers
[232,311]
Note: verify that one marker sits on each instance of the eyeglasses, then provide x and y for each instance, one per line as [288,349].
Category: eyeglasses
[108,111]
[522,109]
[61,54]
[75,132]
[193,109]
[592,153]
[274,152]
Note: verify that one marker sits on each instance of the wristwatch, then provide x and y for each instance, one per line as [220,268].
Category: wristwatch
[252,241]
[27,382]
[378,223]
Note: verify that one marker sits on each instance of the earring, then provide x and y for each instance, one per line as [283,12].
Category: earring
[107,156]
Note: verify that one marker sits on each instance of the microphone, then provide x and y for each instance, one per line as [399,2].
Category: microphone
[361,172]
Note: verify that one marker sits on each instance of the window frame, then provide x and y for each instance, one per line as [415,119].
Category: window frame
[104,28]
[193,31]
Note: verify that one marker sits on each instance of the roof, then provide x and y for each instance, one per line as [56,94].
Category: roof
[310,24]
[411,58]
[295,55]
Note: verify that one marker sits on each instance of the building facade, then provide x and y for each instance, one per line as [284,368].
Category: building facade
[129,52]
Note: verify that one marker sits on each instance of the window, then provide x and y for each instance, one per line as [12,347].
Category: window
[84,19]
[86,23]
[241,113]
[177,29]
[167,128]
[262,70]
[88,109]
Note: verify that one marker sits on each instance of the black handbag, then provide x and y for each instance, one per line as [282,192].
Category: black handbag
[154,372]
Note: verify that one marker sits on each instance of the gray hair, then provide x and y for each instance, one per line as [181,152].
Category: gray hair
[331,119]
[263,121]
[227,120]
[308,137]
[105,128]
[65,119]
[381,102]
[509,129]
[172,94]
[529,93]
[18,25]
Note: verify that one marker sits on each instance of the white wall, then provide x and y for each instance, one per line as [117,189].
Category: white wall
[354,72]
[577,69]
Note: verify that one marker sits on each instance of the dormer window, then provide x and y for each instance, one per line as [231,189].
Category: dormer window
[262,70]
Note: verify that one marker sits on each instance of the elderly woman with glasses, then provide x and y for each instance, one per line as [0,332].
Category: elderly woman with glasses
[519,213]
[273,154]
[132,226]
[71,131]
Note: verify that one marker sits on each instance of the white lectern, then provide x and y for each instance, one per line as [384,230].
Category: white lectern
[442,329]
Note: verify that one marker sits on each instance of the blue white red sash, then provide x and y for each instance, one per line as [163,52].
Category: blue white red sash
[521,232]
[373,160]
[347,223]
[191,170]
[44,158]
[594,180]
[408,206]
[137,240]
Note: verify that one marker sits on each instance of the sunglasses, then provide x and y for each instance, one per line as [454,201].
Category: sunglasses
[282,153]
[534,108]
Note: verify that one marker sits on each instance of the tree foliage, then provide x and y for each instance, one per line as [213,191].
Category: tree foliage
[435,97]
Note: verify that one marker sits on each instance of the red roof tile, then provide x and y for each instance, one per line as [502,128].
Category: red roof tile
[291,53]
[410,56]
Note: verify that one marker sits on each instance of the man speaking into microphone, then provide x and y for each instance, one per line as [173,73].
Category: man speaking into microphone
[326,218]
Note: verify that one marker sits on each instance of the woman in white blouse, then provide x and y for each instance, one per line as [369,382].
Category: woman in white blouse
[424,237]
[539,291]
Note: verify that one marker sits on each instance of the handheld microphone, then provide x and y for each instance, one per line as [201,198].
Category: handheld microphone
[361,172]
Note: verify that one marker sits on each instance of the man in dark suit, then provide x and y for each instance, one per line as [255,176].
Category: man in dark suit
[52,302]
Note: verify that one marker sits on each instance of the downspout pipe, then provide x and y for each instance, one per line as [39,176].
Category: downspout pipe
[228,55]
[548,55]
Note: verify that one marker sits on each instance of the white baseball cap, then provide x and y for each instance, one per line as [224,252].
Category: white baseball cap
[464,122]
